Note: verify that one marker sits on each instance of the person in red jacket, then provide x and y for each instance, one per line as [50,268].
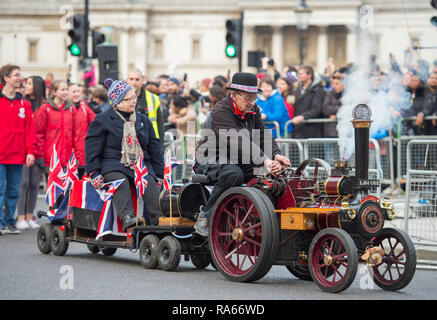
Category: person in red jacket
[82,119]
[54,125]
[17,144]
[35,93]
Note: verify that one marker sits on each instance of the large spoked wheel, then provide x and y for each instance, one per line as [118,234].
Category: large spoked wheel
[241,235]
[58,241]
[275,228]
[333,260]
[399,261]
[149,251]
[43,238]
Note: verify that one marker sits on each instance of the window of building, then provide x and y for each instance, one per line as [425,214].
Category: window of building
[32,50]
[158,48]
[195,48]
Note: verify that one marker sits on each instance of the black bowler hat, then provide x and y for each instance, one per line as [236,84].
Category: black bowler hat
[244,81]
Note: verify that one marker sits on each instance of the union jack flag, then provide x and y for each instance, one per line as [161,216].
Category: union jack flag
[72,174]
[169,163]
[140,176]
[112,188]
[55,183]
[109,222]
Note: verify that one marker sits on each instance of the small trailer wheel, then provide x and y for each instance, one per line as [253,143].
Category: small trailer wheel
[149,251]
[300,272]
[93,248]
[169,253]
[200,261]
[58,241]
[108,251]
[43,238]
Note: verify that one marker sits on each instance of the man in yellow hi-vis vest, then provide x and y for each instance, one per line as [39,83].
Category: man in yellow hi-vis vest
[147,103]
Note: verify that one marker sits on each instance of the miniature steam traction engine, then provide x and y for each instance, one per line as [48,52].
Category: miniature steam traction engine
[320,230]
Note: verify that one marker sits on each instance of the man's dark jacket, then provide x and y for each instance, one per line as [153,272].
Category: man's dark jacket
[103,145]
[310,105]
[222,121]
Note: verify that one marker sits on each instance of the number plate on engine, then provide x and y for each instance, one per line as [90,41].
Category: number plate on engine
[368,183]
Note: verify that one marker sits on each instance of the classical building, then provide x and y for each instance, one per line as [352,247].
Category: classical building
[178,36]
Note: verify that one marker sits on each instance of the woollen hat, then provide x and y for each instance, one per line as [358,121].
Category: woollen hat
[117,89]
[244,81]
[173,79]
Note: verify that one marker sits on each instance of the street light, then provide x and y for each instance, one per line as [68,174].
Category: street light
[303,13]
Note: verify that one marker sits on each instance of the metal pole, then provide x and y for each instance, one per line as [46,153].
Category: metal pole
[301,44]
[86,56]
[240,49]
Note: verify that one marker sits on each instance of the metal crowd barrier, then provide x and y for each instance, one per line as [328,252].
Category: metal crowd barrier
[420,218]
[419,153]
[391,168]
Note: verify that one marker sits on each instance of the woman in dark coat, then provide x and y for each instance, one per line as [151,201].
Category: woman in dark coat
[113,144]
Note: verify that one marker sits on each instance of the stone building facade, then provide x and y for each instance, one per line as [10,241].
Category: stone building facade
[178,36]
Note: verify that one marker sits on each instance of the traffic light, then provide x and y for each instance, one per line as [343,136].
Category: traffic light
[77,36]
[108,62]
[98,38]
[434,18]
[233,38]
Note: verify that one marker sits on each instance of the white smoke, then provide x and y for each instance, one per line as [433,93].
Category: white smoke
[381,96]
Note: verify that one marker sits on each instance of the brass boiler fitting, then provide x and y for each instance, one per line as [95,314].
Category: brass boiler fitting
[388,207]
[351,213]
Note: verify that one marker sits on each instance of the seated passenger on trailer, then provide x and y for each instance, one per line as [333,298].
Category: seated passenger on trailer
[235,141]
[113,145]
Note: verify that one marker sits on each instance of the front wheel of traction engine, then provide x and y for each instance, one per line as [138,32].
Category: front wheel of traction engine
[399,261]
[333,260]
[58,241]
[241,239]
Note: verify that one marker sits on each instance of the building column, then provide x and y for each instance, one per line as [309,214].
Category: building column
[351,43]
[140,50]
[123,51]
[322,49]
[277,47]
[248,45]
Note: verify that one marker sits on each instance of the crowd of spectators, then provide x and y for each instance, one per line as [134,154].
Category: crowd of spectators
[61,112]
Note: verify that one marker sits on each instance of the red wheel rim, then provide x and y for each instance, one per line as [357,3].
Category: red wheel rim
[329,261]
[236,235]
[392,267]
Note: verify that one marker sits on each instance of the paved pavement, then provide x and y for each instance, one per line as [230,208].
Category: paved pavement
[28,274]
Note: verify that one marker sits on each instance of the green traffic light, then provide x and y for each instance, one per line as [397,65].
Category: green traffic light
[74,49]
[230,51]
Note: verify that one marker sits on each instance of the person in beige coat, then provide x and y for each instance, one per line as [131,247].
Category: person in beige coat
[183,115]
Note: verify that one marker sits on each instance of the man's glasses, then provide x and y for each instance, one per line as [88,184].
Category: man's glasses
[18,75]
[247,98]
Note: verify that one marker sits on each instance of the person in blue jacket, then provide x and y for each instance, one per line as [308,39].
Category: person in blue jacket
[272,107]
[113,145]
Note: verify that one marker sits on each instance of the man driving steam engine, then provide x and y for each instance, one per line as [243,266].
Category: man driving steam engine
[234,144]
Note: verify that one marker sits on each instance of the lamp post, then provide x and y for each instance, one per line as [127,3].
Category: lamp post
[303,13]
